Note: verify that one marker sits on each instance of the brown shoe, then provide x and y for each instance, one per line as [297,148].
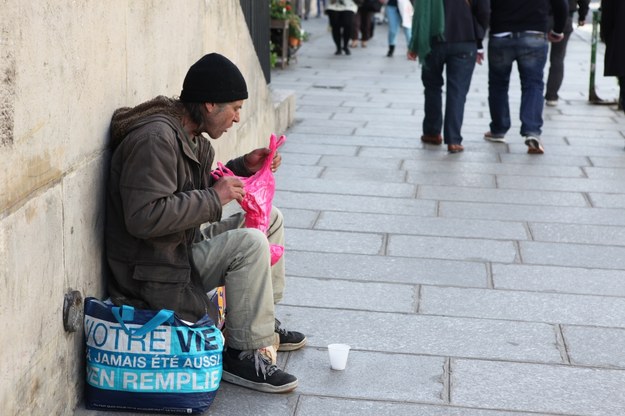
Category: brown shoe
[427,138]
[455,148]
[534,147]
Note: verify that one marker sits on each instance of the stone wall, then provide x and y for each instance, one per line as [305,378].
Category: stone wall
[64,67]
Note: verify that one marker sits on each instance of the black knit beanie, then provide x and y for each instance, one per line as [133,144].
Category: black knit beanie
[215,79]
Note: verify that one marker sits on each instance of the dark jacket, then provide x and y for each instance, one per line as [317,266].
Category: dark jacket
[579,6]
[157,197]
[466,20]
[524,15]
[613,34]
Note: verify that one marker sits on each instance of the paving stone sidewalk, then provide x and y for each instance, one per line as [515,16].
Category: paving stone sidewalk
[489,282]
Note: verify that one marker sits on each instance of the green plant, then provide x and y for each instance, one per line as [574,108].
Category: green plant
[273,55]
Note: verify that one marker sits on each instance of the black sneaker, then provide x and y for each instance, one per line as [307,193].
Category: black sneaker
[289,340]
[253,369]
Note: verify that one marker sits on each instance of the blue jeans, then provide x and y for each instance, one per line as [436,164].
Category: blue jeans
[530,53]
[458,60]
[394,24]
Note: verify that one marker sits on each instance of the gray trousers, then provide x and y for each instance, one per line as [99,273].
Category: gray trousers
[239,259]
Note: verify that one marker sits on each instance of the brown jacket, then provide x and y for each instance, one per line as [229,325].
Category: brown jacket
[157,197]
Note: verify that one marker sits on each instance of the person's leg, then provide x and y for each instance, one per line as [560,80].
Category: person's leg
[239,260]
[335,25]
[432,78]
[347,21]
[355,28]
[275,235]
[556,69]
[531,60]
[500,58]
[460,62]
[306,9]
[366,23]
[407,34]
[394,23]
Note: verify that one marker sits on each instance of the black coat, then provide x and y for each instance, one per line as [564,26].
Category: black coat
[613,34]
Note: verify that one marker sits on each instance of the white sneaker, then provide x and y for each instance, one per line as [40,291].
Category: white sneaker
[534,147]
[551,103]
[495,138]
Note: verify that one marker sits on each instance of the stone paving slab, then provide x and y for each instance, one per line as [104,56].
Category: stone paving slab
[312,406]
[609,162]
[371,375]
[503,196]
[577,255]
[322,149]
[424,226]
[355,203]
[380,175]
[334,241]
[554,308]
[386,269]
[472,249]
[579,233]
[299,218]
[344,187]
[520,156]
[562,184]
[539,388]
[452,179]
[601,347]
[605,173]
[559,279]
[351,295]
[607,200]
[372,161]
[534,213]
[438,167]
[424,335]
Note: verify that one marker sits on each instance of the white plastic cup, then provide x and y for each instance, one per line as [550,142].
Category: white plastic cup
[338,355]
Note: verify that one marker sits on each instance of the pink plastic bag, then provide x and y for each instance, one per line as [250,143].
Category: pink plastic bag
[259,191]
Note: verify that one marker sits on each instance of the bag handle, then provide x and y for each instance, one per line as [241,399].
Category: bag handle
[126,313]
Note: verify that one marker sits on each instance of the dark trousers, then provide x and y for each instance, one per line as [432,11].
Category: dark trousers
[363,23]
[341,24]
[457,61]
[556,64]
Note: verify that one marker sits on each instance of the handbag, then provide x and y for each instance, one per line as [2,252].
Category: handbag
[149,361]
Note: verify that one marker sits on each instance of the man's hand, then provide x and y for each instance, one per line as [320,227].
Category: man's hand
[555,37]
[255,159]
[412,56]
[229,188]
[479,58]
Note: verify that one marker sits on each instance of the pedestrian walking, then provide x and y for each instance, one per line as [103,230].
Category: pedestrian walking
[399,15]
[519,32]
[341,15]
[558,50]
[445,37]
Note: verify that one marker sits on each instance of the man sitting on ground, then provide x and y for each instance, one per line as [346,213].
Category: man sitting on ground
[160,192]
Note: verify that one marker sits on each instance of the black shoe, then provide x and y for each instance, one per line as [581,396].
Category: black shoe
[289,340]
[338,52]
[391,49]
[347,51]
[253,369]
